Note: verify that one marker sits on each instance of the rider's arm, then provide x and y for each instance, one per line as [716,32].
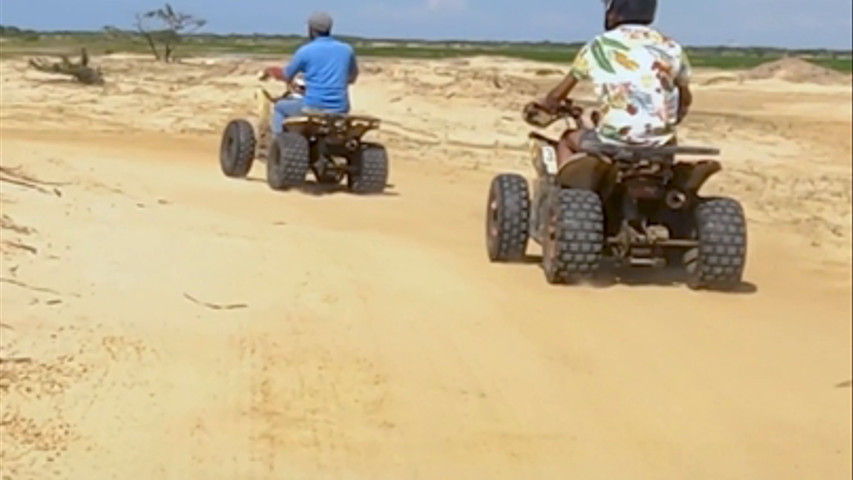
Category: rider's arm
[296,65]
[580,71]
[288,72]
[353,69]
[682,82]
[560,92]
[685,100]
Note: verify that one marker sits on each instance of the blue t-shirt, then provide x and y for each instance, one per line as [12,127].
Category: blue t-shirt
[327,65]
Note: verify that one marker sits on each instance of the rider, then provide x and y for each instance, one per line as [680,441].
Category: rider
[640,75]
[329,67]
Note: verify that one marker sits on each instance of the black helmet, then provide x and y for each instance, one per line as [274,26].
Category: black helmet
[629,11]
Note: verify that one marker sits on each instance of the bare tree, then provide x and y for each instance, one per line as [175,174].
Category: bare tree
[164,28]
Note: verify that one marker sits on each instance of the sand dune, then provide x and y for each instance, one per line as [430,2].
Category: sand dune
[797,70]
[161,321]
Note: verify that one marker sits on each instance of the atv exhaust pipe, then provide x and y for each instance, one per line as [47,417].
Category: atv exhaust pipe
[676,200]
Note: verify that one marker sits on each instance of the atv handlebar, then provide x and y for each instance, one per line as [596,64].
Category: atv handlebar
[539,115]
[264,77]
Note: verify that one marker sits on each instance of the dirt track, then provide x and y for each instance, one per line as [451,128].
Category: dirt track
[369,337]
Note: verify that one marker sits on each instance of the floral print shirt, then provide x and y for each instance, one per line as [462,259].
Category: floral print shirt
[635,70]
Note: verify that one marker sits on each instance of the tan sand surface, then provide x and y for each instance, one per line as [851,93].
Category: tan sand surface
[161,321]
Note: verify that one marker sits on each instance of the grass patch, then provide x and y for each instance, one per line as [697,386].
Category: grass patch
[99,43]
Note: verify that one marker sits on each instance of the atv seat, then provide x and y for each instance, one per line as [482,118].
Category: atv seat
[341,125]
[592,145]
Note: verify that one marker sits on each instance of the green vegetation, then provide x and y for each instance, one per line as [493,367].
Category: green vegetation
[840,64]
[24,42]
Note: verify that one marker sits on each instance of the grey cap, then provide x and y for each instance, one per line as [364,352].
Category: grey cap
[320,22]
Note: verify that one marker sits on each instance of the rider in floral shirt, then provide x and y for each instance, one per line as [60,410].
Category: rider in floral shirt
[640,75]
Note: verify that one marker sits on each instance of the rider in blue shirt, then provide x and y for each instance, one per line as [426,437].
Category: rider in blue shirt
[328,65]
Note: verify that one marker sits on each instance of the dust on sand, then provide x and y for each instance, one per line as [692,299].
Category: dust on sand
[373,340]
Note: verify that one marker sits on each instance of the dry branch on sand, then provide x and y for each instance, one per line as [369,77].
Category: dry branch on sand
[15,360]
[214,306]
[81,70]
[7,223]
[15,177]
[25,286]
[20,246]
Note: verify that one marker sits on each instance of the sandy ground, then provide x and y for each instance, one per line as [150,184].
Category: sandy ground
[162,321]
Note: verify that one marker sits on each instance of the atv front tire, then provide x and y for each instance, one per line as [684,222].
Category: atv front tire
[237,150]
[574,236]
[508,218]
[370,174]
[719,261]
[288,161]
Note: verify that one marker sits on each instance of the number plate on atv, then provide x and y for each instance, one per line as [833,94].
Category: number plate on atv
[549,159]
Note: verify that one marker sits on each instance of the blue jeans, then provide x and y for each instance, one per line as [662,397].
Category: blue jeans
[288,107]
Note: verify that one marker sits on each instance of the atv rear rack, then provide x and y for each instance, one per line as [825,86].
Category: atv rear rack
[628,153]
[321,123]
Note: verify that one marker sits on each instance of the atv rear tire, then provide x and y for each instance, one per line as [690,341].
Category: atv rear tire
[370,173]
[508,218]
[237,151]
[574,238]
[287,161]
[718,263]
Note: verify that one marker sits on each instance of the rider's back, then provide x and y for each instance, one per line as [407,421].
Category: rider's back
[327,65]
[635,69]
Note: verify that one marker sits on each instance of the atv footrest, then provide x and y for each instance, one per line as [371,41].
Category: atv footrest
[675,243]
[647,262]
[672,243]
[341,168]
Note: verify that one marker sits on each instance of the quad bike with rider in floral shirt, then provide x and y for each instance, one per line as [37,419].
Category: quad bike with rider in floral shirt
[610,189]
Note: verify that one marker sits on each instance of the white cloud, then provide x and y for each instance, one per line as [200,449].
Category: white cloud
[443,5]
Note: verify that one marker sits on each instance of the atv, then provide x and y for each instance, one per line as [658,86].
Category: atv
[632,207]
[327,144]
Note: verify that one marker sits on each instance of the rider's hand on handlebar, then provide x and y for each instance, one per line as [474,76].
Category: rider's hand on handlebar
[550,104]
[271,72]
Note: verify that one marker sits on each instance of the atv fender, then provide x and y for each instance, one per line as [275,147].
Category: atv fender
[263,106]
[690,177]
[583,171]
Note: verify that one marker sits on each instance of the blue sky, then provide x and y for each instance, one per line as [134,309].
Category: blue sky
[788,23]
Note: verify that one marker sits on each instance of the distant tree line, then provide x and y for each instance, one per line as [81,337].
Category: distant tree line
[164,29]
[15,32]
